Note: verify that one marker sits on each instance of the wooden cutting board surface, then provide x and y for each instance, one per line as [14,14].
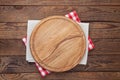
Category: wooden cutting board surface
[57,43]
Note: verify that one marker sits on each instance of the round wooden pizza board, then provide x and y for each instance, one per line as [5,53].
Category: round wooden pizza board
[57,43]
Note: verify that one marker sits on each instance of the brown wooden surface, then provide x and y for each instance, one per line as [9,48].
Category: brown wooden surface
[59,2]
[86,13]
[104,18]
[64,76]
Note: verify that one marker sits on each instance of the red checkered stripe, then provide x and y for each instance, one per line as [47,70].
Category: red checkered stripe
[24,40]
[91,45]
[41,70]
[73,15]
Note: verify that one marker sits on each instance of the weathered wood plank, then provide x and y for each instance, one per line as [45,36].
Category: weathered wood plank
[86,13]
[13,30]
[63,76]
[102,46]
[59,2]
[106,46]
[11,64]
[18,64]
[12,47]
[100,63]
[97,30]
[104,30]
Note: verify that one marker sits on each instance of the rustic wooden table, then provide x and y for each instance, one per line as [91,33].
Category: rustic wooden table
[104,18]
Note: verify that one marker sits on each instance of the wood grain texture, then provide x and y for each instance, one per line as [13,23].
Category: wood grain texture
[59,2]
[106,46]
[63,76]
[57,43]
[97,30]
[13,30]
[104,18]
[14,64]
[18,64]
[9,47]
[86,13]
[12,47]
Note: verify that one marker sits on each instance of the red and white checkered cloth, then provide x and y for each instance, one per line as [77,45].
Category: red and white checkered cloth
[72,15]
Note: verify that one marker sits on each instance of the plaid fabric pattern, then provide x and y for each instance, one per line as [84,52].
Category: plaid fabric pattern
[90,44]
[72,15]
[41,70]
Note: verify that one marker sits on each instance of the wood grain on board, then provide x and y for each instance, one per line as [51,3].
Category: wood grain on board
[61,42]
[104,17]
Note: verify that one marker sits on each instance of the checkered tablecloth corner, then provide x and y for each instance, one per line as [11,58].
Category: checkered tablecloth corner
[41,70]
[91,45]
[24,39]
[74,16]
